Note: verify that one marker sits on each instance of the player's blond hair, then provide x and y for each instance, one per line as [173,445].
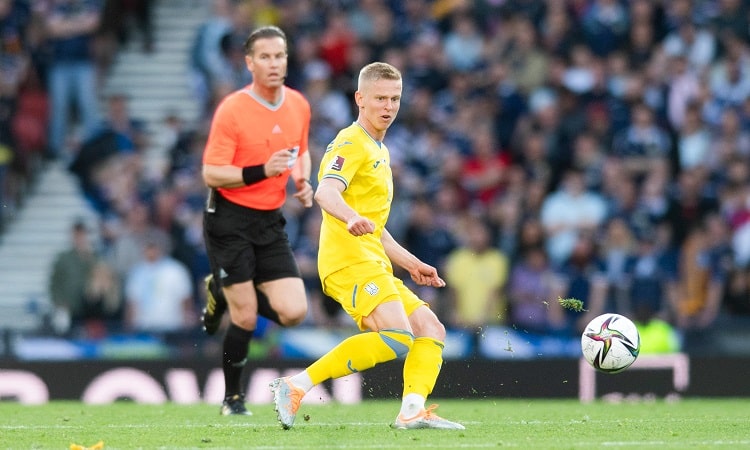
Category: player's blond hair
[377,71]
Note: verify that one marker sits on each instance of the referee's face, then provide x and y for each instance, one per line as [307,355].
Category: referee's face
[268,61]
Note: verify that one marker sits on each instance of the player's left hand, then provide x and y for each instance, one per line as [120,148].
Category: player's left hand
[304,193]
[426,275]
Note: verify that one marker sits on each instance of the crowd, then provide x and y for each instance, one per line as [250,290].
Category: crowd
[54,57]
[594,149]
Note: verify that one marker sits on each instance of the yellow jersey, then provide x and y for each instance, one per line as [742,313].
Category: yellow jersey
[363,165]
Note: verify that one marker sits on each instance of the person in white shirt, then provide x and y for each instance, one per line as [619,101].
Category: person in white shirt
[158,292]
[567,212]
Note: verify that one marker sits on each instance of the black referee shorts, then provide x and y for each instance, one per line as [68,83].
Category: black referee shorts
[247,244]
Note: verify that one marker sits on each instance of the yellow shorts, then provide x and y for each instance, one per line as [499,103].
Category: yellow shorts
[362,287]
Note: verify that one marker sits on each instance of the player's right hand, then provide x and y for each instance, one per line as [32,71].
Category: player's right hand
[359,226]
[278,163]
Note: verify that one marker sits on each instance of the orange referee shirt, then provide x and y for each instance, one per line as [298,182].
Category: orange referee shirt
[246,130]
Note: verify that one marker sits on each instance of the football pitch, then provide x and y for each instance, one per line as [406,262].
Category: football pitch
[490,423]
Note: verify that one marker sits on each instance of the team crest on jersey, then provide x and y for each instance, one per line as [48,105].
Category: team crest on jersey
[338,163]
[371,288]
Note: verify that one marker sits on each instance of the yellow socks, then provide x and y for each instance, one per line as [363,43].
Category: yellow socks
[361,352]
[422,366]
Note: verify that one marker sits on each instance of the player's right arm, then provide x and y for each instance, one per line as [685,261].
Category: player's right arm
[328,196]
[229,176]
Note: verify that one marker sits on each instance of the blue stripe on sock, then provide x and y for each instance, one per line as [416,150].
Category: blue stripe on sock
[399,348]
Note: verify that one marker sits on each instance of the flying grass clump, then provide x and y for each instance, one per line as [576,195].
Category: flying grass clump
[572,304]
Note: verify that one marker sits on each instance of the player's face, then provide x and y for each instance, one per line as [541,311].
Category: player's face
[379,102]
[268,62]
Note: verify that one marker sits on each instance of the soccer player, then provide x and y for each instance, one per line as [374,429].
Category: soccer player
[258,139]
[355,265]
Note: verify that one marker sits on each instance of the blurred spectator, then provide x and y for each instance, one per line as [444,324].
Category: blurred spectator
[589,156]
[505,217]
[731,19]
[705,259]
[729,140]
[485,169]
[476,274]
[331,110]
[642,45]
[83,288]
[119,119]
[557,30]
[261,12]
[684,90]
[533,291]
[527,63]
[544,119]
[117,142]
[737,211]
[423,72]
[729,79]
[605,25]
[29,124]
[618,246]
[384,39]
[658,337]
[736,299]
[653,200]
[693,140]
[134,15]
[651,275]
[430,240]
[415,22]
[534,159]
[209,68]
[642,142]
[128,239]
[584,278]
[72,72]
[14,67]
[531,235]
[509,103]
[119,19]
[693,43]
[568,212]
[158,292]
[336,41]
[232,45]
[463,44]
[689,203]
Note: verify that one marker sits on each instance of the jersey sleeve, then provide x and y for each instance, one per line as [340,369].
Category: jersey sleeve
[341,161]
[222,138]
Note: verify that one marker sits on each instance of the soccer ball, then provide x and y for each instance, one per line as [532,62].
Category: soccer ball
[610,343]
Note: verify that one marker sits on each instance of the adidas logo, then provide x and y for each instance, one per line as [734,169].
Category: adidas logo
[276,129]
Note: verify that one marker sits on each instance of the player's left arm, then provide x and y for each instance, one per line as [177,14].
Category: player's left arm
[421,272]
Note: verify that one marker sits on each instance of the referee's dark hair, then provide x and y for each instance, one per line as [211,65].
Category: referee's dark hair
[268,31]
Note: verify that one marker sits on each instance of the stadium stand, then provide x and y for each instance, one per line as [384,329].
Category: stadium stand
[647,102]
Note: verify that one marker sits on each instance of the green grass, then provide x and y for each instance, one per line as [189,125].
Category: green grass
[490,423]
